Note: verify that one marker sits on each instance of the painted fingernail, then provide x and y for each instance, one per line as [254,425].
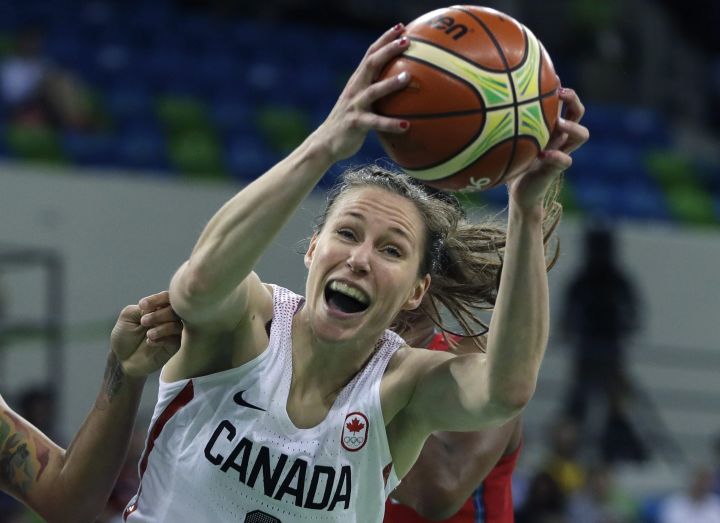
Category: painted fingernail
[542,155]
[404,124]
[402,76]
[398,27]
[403,41]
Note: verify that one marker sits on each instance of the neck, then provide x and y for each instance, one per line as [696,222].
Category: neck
[322,367]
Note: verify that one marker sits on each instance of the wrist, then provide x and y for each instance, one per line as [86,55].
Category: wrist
[117,381]
[318,150]
[534,212]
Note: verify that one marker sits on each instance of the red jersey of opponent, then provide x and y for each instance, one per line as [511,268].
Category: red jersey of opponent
[490,503]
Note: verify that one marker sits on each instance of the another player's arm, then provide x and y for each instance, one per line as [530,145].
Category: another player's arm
[73,486]
[451,466]
[27,458]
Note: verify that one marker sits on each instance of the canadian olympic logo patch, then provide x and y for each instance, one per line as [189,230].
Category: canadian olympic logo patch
[355,431]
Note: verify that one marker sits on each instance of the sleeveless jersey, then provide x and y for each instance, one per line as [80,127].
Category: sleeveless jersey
[222,447]
[492,500]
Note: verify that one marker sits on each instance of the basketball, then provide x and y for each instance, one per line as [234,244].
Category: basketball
[481,103]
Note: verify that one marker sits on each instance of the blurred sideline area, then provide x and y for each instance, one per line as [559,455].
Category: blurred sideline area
[118,107]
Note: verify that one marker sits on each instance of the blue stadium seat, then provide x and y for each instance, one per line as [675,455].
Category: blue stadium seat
[233,116]
[142,149]
[129,100]
[643,127]
[642,199]
[89,149]
[114,63]
[216,75]
[610,161]
[596,197]
[248,157]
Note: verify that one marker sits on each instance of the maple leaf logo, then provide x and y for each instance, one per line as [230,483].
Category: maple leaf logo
[355,425]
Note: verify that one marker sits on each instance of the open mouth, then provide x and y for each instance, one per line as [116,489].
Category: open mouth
[346,298]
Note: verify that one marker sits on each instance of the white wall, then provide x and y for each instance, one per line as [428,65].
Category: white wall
[122,237]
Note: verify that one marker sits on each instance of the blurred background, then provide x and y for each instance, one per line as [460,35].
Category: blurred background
[125,124]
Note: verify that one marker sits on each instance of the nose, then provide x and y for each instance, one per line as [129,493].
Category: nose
[358,260]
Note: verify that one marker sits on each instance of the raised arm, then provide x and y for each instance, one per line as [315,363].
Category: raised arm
[215,285]
[74,485]
[473,391]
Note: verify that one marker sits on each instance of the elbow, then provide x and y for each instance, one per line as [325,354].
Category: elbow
[189,290]
[509,402]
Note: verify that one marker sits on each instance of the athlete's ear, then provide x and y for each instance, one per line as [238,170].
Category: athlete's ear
[310,250]
[417,293]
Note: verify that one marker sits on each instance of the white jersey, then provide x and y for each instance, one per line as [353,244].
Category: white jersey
[222,447]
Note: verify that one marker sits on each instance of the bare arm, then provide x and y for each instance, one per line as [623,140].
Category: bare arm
[213,287]
[451,466]
[73,485]
[475,391]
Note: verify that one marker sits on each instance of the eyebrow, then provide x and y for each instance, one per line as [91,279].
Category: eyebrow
[396,230]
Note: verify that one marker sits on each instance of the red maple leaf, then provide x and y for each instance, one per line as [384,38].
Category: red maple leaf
[355,425]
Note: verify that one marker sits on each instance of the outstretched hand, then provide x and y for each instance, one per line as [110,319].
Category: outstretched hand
[144,340]
[528,190]
[345,129]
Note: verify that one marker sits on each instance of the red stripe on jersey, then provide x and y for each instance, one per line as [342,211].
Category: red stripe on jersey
[497,490]
[183,398]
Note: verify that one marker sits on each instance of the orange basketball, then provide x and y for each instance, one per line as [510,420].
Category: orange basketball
[481,104]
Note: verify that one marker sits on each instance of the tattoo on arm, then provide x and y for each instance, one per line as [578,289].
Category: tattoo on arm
[23,455]
[113,379]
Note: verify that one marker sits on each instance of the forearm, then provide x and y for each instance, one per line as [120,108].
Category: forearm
[442,478]
[238,234]
[451,466]
[97,453]
[520,323]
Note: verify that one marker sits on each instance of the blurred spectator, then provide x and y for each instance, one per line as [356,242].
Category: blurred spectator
[697,505]
[39,93]
[601,311]
[562,462]
[545,501]
[38,405]
[600,501]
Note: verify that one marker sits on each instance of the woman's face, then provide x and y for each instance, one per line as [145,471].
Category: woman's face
[363,265]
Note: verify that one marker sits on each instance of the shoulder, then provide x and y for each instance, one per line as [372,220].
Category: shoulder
[406,368]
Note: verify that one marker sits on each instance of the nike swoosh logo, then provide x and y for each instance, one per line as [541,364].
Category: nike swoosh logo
[238,398]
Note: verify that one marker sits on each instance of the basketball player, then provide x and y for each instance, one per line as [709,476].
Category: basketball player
[73,485]
[279,407]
